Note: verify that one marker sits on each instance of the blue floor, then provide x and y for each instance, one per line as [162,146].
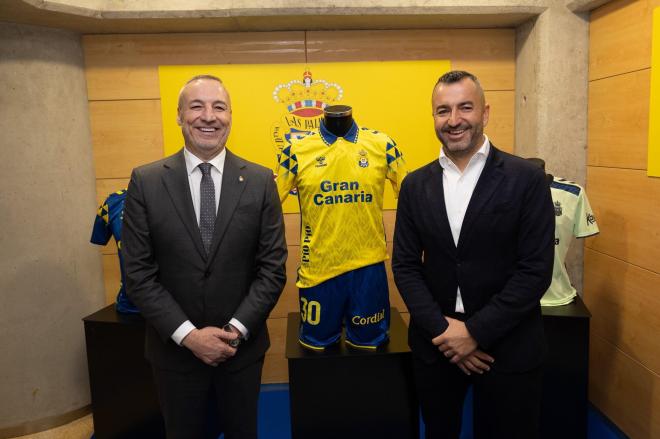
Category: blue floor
[274,417]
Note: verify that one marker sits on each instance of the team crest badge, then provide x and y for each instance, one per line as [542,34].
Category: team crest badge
[558,208]
[363,160]
[304,101]
[591,219]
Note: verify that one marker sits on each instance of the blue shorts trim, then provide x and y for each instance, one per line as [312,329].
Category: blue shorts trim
[358,300]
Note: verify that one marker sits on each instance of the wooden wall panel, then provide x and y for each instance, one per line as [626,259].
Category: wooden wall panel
[125,134]
[620,38]
[487,53]
[622,264]
[395,296]
[289,299]
[292,228]
[111,276]
[126,66]
[620,295]
[625,203]
[106,186]
[626,391]
[276,369]
[500,129]
[618,126]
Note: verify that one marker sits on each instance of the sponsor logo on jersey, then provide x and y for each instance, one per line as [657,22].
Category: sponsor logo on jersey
[557,208]
[341,192]
[304,101]
[363,160]
[320,161]
[374,318]
[306,239]
[591,219]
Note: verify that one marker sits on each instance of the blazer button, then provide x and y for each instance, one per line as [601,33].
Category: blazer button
[207,273]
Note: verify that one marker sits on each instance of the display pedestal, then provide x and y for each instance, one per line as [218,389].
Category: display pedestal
[349,393]
[566,374]
[124,401]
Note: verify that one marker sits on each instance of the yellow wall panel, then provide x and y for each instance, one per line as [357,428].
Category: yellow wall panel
[620,38]
[618,126]
[125,134]
[627,392]
[487,53]
[626,203]
[622,298]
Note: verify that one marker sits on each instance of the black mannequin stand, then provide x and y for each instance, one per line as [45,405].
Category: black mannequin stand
[338,119]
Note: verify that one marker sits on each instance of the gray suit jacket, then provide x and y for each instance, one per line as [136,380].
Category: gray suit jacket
[168,274]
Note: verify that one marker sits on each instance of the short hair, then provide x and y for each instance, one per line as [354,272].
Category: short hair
[457,76]
[193,79]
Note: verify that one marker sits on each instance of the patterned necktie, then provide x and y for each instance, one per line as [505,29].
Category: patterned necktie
[206,206]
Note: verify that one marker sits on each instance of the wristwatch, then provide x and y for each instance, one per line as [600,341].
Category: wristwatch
[235,342]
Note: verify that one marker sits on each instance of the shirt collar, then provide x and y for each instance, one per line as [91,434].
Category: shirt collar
[482,153]
[192,161]
[330,138]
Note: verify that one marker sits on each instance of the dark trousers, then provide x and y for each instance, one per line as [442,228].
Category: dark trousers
[506,405]
[203,404]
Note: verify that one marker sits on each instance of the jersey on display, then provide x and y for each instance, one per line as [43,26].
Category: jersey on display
[106,225]
[573,218]
[340,183]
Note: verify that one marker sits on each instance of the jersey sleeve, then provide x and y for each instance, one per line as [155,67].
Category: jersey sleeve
[101,232]
[396,166]
[287,171]
[585,220]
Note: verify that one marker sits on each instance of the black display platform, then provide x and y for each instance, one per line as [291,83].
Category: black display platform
[566,374]
[124,400]
[350,393]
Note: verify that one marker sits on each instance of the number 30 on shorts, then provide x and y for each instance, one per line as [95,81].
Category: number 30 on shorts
[310,311]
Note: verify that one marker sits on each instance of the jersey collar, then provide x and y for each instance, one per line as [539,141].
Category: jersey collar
[330,138]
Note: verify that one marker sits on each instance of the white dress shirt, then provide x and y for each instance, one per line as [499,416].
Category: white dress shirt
[194,180]
[458,188]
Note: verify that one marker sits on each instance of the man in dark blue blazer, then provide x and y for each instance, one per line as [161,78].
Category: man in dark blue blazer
[473,254]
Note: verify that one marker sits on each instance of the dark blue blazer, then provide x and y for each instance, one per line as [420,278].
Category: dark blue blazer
[502,263]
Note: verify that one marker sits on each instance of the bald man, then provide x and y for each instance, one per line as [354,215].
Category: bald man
[204,254]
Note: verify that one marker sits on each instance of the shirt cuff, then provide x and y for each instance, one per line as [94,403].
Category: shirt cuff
[182,331]
[238,325]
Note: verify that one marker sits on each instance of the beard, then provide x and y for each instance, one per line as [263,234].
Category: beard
[461,140]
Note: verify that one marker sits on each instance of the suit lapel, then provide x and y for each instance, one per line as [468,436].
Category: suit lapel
[233,184]
[435,195]
[487,184]
[178,188]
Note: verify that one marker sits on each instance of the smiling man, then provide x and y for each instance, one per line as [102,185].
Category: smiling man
[473,254]
[204,255]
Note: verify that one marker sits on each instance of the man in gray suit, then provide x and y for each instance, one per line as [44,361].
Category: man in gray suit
[204,254]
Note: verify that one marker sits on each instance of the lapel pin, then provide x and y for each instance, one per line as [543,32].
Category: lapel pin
[240,178]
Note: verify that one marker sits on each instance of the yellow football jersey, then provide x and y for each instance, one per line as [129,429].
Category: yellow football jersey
[340,183]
